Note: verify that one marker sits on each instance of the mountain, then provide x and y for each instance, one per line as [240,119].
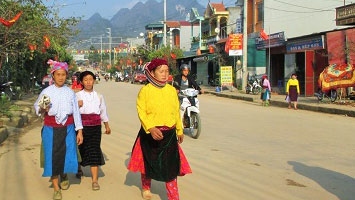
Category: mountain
[128,23]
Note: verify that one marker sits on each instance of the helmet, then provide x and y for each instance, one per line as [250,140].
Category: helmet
[185,66]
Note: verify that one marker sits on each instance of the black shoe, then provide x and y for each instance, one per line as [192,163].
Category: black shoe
[79,174]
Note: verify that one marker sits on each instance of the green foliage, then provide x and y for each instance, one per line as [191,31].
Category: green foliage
[5,105]
[167,53]
[94,57]
[17,61]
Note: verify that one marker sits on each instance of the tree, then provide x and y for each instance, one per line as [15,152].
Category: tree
[170,54]
[38,34]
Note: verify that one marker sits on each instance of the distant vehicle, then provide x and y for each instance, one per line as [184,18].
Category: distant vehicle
[97,77]
[138,76]
[119,77]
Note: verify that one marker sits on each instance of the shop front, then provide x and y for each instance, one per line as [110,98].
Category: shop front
[306,56]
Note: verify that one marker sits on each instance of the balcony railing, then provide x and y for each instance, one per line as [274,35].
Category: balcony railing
[196,44]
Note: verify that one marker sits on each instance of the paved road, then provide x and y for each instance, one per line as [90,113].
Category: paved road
[245,151]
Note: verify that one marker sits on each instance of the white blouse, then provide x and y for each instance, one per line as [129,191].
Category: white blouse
[93,103]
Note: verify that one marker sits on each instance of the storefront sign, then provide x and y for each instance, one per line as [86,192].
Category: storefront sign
[235,44]
[275,40]
[313,43]
[345,15]
[226,75]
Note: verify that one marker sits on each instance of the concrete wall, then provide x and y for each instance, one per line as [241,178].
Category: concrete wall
[185,36]
[301,17]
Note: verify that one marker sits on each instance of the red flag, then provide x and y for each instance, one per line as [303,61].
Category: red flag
[173,56]
[9,23]
[263,35]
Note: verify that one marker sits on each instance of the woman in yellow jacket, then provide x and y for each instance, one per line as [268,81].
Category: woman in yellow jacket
[156,153]
[292,90]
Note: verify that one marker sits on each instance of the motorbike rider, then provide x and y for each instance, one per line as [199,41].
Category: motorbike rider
[185,80]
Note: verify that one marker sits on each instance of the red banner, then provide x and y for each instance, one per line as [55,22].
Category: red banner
[235,44]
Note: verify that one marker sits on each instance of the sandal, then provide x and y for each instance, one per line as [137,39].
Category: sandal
[95,186]
[79,174]
[57,195]
[64,183]
[146,194]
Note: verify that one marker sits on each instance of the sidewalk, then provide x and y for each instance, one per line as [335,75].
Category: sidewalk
[340,107]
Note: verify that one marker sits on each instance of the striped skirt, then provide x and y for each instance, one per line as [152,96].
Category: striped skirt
[90,149]
[59,150]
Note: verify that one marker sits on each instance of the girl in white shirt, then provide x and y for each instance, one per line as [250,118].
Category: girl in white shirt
[93,112]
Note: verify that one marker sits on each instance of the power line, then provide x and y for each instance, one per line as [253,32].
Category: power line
[301,6]
[292,11]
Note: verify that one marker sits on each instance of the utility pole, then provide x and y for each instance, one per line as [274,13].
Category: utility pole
[245,45]
[109,43]
[164,39]
[101,52]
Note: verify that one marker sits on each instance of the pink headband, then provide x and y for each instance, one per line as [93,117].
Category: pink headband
[57,65]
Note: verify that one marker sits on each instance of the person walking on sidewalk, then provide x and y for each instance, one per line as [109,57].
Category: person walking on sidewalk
[61,121]
[93,112]
[292,91]
[156,153]
[266,91]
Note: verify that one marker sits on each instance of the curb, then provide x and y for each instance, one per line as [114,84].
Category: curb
[301,105]
[231,96]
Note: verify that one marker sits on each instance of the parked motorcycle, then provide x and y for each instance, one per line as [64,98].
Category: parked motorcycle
[189,109]
[7,90]
[330,94]
[253,86]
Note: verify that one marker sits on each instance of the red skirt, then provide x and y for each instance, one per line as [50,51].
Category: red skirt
[136,163]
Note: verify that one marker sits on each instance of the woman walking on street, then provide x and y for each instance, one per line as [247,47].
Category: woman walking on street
[265,94]
[156,153]
[292,90]
[61,120]
[93,113]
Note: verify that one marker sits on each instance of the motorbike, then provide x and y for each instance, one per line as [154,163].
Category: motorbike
[97,77]
[253,86]
[107,77]
[330,94]
[7,90]
[127,77]
[189,110]
[119,77]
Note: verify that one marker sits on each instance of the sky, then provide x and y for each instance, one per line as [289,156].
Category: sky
[86,8]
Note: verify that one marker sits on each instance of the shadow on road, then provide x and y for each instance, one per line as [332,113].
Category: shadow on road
[339,184]
[134,179]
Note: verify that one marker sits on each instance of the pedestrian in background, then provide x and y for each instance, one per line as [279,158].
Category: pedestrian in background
[156,153]
[292,91]
[76,84]
[92,107]
[266,90]
[61,120]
